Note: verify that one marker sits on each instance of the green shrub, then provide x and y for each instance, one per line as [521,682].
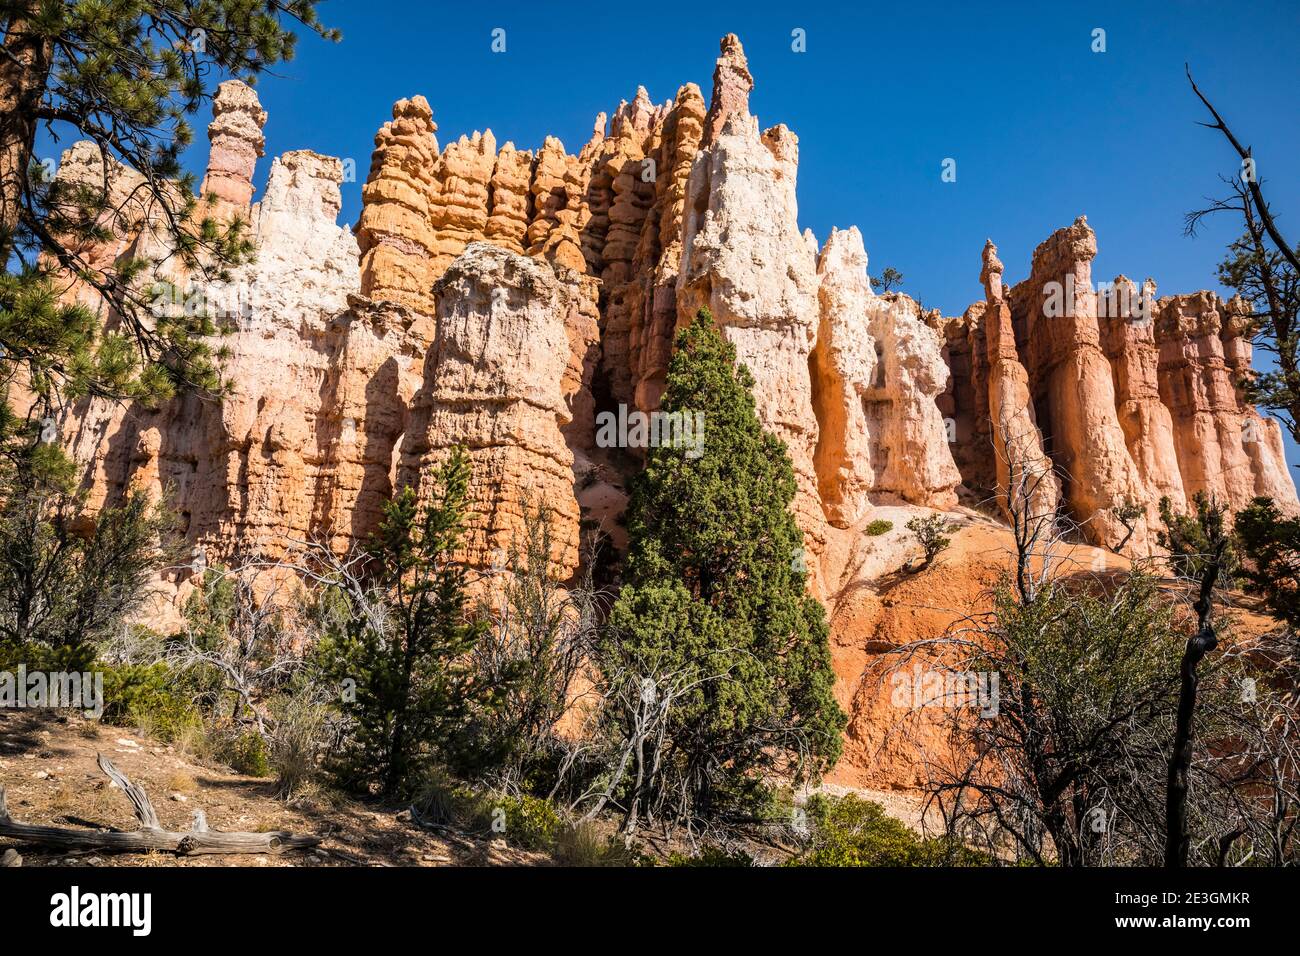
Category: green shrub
[524,821]
[530,822]
[712,856]
[42,657]
[932,533]
[146,696]
[248,753]
[59,588]
[1270,542]
[850,831]
[878,527]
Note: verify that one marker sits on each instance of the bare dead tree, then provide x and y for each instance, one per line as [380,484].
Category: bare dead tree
[1268,762]
[1070,760]
[252,641]
[1253,185]
[1262,266]
[1029,774]
[643,781]
[151,835]
[1039,769]
[1200,550]
[539,641]
[1027,490]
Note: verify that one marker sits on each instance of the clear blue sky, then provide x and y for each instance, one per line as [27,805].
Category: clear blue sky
[1042,128]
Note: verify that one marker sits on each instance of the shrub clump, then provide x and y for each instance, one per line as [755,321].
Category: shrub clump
[248,753]
[878,527]
[148,697]
[711,856]
[850,831]
[524,821]
[932,534]
[529,821]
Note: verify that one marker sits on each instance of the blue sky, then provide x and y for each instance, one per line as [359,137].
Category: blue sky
[1041,127]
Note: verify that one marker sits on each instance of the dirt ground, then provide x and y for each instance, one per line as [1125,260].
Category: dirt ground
[49,772]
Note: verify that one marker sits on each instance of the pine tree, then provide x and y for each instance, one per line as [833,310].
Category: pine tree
[125,75]
[68,579]
[1270,544]
[405,639]
[713,611]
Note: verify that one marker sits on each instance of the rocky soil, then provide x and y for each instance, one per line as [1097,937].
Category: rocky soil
[48,769]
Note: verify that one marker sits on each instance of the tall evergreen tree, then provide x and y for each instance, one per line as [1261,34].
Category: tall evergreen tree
[713,614]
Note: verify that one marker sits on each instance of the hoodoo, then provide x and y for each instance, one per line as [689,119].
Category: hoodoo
[502,298]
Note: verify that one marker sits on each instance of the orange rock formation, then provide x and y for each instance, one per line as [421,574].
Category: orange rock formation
[502,298]
[1131,398]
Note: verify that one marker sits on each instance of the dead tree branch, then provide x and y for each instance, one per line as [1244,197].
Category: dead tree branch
[1256,193]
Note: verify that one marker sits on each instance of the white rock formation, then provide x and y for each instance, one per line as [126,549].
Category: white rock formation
[746,260]
[877,370]
[493,382]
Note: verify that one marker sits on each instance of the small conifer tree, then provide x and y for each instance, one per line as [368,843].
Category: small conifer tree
[402,647]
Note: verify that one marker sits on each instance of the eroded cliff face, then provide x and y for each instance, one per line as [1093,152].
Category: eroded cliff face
[501,298]
[1222,445]
[241,471]
[493,384]
[1130,397]
[877,370]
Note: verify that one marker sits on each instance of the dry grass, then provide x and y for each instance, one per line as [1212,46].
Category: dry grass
[586,843]
[64,799]
[181,782]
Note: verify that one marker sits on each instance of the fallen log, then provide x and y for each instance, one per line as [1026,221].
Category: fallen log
[151,836]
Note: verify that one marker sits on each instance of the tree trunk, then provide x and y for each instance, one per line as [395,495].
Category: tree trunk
[1177,840]
[1180,759]
[24,71]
